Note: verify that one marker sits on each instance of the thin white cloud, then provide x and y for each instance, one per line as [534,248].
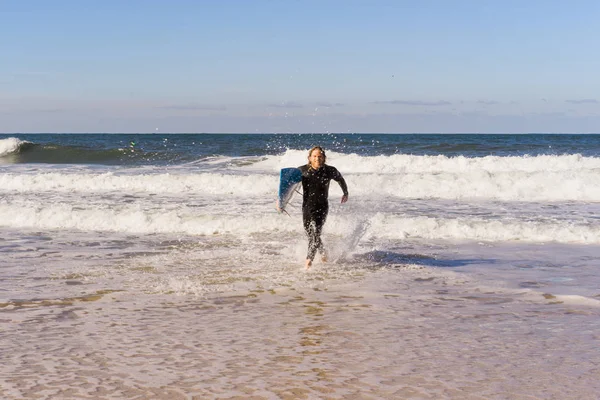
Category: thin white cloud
[326,104]
[583,101]
[414,102]
[193,108]
[286,104]
[34,111]
[488,102]
[338,122]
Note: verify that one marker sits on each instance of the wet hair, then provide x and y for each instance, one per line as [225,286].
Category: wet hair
[317,148]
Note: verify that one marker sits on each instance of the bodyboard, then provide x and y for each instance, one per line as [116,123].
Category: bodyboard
[289,179]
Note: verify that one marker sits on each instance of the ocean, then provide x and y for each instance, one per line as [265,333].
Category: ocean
[155,266]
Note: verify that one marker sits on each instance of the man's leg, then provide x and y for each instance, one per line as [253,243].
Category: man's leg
[310,229]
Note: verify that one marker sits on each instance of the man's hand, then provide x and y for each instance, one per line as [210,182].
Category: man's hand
[344,198]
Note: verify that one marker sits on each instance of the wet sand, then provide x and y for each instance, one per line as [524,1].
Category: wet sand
[410,333]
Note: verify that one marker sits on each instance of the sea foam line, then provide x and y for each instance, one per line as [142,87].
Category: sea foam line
[134,219]
[407,163]
[476,184]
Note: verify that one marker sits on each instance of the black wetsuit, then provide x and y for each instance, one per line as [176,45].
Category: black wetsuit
[315,206]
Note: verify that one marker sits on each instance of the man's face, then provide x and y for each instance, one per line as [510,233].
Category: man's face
[316,159]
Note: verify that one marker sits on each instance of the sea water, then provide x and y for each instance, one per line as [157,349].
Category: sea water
[156,266]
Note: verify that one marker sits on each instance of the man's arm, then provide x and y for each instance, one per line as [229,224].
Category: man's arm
[342,182]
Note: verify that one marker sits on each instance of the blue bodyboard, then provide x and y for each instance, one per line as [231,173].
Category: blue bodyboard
[289,179]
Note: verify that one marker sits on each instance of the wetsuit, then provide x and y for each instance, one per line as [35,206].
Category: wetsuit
[315,206]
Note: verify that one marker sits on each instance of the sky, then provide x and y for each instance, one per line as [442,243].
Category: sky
[294,66]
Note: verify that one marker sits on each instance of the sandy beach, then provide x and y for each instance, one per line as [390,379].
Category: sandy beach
[402,332]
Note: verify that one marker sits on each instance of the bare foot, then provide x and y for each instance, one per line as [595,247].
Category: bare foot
[308,263]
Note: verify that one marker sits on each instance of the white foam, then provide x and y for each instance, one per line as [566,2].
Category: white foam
[145,217]
[551,298]
[524,178]
[238,198]
[511,185]
[406,163]
[10,145]
[167,183]
[138,219]
[578,300]
[493,230]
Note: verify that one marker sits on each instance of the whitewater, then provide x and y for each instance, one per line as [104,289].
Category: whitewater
[157,272]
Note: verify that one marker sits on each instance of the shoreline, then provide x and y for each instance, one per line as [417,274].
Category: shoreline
[410,333]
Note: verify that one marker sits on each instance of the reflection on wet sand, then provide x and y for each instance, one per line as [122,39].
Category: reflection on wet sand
[394,335]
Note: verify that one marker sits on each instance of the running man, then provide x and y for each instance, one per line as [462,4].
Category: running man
[316,176]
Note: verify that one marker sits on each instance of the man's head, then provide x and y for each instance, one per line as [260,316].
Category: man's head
[316,157]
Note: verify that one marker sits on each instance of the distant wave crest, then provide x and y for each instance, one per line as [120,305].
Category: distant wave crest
[132,218]
[13,146]
[16,151]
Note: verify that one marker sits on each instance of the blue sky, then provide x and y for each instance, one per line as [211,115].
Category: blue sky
[299,66]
